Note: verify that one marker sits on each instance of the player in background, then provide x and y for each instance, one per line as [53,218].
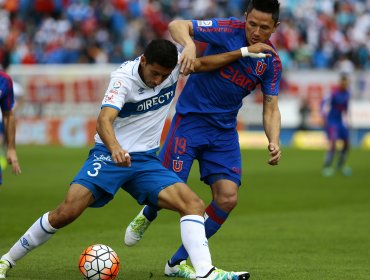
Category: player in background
[129,126]
[204,126]
[7,121]
[336,117]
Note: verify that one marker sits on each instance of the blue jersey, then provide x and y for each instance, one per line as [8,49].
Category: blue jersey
[339,101]
[6,92]
[218,95]
[6,99]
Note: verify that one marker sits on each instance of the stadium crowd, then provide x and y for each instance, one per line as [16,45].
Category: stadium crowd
[321,34]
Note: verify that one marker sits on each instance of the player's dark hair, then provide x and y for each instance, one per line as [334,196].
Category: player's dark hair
[162,52]
[344,76]
[266,6]
[5,60]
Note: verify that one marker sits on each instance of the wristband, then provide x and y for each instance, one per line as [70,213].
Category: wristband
[246,53]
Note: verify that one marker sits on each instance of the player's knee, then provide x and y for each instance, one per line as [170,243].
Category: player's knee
[192,206]
[182,199]
[227,202]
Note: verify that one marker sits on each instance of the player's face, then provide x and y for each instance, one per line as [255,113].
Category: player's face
[259,26]
[344,83]
[153,74]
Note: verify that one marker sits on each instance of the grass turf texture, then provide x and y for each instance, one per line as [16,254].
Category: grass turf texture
[290,222]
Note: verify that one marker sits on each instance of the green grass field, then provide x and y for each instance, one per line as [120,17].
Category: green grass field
[290,223]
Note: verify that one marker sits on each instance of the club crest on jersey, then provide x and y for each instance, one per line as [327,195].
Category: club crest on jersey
[177,165]
[204,22]
[260,68]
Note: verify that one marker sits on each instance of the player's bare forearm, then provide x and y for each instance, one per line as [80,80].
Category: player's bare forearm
[272,124]
[262,48]
[212,62]
[9,129]
[104,128]
[182,32]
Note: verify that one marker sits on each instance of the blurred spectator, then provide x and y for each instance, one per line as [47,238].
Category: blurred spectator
[313,33]
[304,113]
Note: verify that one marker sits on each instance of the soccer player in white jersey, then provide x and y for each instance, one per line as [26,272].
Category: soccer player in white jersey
[129,127]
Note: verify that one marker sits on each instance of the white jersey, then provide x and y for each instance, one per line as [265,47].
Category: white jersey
[142,110]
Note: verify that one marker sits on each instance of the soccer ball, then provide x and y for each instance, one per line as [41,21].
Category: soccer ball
[99,262]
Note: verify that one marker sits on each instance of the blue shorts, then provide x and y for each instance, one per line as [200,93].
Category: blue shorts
[337,131]
[143,180]
[217,150]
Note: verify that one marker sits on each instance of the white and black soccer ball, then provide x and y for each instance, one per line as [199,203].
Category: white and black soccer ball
[99,262]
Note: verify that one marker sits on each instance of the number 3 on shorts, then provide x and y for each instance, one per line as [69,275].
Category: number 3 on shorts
[97,166]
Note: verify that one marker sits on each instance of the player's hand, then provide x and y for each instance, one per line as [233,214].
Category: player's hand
[187,60]
[275,154]
[262,48]
[12,159]
[121,157]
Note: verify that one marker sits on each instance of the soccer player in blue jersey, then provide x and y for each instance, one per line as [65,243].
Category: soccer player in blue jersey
[335,113]
[8,120]
[129,126]
[204,126]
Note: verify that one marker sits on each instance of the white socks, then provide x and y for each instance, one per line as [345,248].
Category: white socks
[196,244]
[192,234]
[40,232]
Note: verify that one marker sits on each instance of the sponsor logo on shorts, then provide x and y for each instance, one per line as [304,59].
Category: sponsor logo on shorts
[102,158]
[236,170]
[177,165]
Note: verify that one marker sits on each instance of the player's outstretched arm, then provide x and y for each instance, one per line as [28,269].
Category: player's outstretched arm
[272,124]
[212,62]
